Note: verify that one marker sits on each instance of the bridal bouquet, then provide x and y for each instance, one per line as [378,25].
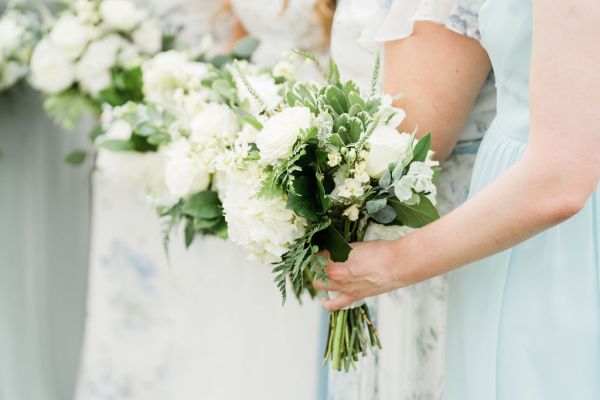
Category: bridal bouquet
[19,32]
[92,54]
[319,171]
[192,112]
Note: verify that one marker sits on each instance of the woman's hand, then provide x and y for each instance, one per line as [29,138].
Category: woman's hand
[369,271]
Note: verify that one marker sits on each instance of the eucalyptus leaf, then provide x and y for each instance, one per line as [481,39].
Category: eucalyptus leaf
[245,47]
[376,205]
[385,216]
[386,179]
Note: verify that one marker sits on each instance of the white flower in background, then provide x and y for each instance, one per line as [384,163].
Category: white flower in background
[86,12]
[262,84]
[148,36]
[214,120]
[118,130]
[384,232]
[387,146]
[70,36]
[264,227]
[276,140]
[129,56]
[168,72]
[122,15]
[247,135]
[185,173]
[284,69]
[93,69]
[139,170]
[10,34]
[51,71]
[10,73]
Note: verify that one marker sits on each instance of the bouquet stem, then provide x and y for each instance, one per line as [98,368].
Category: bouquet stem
[351,334]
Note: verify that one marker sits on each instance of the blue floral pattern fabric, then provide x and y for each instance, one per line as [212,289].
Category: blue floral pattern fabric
[465,18]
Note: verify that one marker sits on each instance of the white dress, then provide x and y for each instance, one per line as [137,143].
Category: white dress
[206,323]
[411,321]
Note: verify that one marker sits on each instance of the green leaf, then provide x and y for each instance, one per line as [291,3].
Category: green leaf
[244,48]
[333,76]
[304,201]
[336,140]
[117,145]
[386,179]
[415,216]
[76,157]
[333,241]
[96,132]
[422,148]
[248,118]
[203,205]
[189,232]
[224,88]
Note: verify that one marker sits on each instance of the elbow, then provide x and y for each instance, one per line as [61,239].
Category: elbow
[564,207]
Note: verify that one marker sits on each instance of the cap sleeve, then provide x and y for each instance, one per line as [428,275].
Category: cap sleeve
[464,18]
[460,16]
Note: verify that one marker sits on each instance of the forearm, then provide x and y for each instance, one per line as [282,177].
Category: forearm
[518,205]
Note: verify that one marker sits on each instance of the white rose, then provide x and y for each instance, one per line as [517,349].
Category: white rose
[384,232]
[10,34]
[51,71]
[103,52]
[148,37]
[70,36]
[276,140]
[184,174]
[167,72]
[387,146]
[215,119]
[123,15]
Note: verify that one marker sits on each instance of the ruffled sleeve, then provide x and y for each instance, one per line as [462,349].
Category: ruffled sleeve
[460,16]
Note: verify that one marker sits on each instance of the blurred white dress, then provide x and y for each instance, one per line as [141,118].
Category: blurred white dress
[205,324]
[411,321]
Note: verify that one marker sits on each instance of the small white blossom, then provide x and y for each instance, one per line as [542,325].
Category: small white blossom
[334,159]
[352,212]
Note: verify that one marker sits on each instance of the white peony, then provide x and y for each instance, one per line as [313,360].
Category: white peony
[10,34]
[51,71]
[276,140]
[122,15]
[185,174]
[70,36]
[384,232]
[215,119]
[148,37]
[264,227]
[387,146]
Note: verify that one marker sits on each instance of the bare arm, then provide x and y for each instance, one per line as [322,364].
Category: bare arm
[556,176]
[437,99]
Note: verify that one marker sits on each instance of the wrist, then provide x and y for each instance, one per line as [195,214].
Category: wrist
[405,258]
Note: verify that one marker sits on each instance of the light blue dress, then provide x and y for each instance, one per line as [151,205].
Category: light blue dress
[524,324]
